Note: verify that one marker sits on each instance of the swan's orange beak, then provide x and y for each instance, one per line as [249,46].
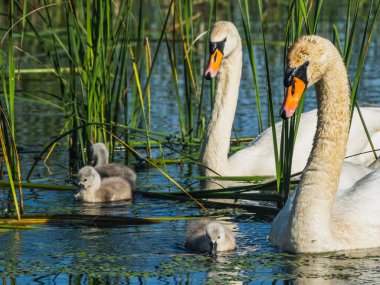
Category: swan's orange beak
[293,96]
[213,64]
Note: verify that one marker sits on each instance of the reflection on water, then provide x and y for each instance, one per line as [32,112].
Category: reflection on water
[352,267]
[155,254]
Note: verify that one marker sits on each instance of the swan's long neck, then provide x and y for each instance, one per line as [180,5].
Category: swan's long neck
[101,155]
[312,209]
[217,141]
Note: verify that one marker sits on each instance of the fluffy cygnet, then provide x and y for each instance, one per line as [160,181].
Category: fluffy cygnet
[94,189]
[209,236]
[99,155]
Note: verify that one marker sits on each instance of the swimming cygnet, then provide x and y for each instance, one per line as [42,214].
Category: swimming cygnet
[94,189]
[99,155]
[209,236]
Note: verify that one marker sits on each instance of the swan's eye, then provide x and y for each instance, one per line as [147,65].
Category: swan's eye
[84,180]
[218,237]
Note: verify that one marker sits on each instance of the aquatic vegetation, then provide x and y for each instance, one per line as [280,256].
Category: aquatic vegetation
[105,58]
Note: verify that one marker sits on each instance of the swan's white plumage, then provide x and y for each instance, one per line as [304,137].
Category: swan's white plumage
[258,158]
[319,216]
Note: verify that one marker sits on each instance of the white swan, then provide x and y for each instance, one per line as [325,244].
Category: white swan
[316,218]
[94,189]
[209,236]
[258,158]
[99,155]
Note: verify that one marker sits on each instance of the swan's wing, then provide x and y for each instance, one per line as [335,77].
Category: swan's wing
[371,117]
[113,189]
[360,204]
[258,157]
[350,174]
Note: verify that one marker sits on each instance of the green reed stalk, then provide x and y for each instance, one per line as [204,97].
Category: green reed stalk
[137,110]
[148,66]
[300,16]
[299,11]
[98,43]
[247,32]
[201,120]
[190,75]
[10,99]
[366,40]
[347,52]
[173,67]
[271,112]
[7,120]
[137,104]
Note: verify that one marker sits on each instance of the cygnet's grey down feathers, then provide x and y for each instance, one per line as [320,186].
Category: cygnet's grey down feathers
[209,236]
[94,189]
[99,155]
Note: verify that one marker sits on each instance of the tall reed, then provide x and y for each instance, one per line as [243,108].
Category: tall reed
[304,18]
[7,120]
[112,56]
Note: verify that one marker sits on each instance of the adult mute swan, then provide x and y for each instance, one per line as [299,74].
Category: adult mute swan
[209,236]
[99,157]
[316,218]
[94,189]
[258,158]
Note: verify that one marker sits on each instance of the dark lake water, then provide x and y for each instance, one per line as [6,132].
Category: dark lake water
[154,254]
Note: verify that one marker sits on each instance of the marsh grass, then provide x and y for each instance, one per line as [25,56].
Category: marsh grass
[303,19]
[104,56]
[7,124]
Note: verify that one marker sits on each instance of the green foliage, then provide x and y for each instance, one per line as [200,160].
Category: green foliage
[105,54]
[7,121]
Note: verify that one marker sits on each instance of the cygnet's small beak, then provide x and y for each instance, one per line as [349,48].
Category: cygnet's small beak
[293,96]
[213,248]
[81,186]
[213,64]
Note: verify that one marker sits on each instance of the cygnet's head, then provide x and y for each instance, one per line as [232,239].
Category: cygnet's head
[89,179]
[99,154]
[216,234]
[224,39]
[308,59]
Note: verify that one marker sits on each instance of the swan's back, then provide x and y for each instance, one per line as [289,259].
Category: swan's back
[355,145]
[258,157]
[359,205]
[114,189]
[117,170]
